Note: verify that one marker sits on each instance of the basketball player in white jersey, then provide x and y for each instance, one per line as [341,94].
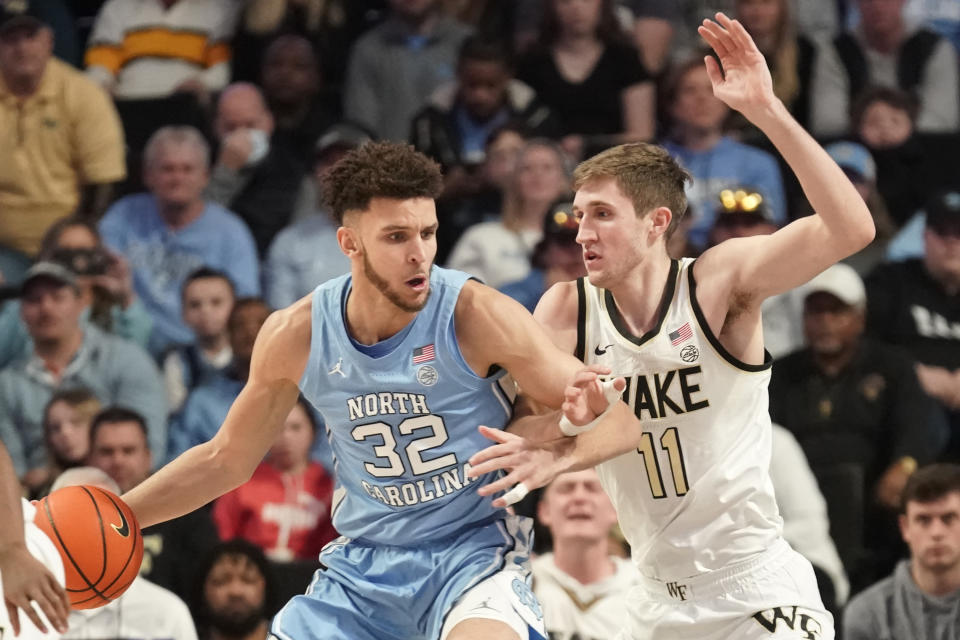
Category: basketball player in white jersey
[688,474]
[28,564]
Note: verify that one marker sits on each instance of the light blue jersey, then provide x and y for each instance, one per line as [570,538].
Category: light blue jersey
[402,417]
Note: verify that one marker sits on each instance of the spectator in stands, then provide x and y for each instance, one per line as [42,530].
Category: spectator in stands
[580,584]
[743,212]
[504,145]
[153,48]
[454,126]
[171,231]
[885,50]
[308,253]
[556,258]
[233,593]
[861,417]
[106,288]
[395,65]
[498,252]
[207,404]
[790,54]
[61,136]
[915,304]
[586,69]
[145,610]
[67,353]
[804,512]
[921,599]
[654,25]
[252,177]
[173,549]
[884,118]
[208,298]
[285,506]
[716,161]
[66,435]
[291,84]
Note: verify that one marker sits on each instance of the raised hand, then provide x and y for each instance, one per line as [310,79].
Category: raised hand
[744,83]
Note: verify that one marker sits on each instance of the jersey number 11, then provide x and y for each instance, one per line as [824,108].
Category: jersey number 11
[670,442]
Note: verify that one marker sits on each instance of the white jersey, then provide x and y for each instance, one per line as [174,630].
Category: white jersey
[696,495]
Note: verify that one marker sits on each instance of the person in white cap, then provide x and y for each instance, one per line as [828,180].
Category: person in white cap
[858,412]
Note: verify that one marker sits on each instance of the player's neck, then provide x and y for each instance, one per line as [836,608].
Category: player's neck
[587,562]
[936,583]
[371,317]
[639,296]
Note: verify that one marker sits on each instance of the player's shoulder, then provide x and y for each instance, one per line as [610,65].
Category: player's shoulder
[283,344]
[559,306]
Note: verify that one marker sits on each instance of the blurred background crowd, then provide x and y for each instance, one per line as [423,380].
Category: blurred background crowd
[159,162]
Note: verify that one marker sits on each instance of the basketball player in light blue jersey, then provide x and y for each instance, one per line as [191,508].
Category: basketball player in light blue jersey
[403,359]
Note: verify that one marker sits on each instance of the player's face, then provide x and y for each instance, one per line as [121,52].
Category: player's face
[932,531]
[206,306]
[50,310]
[575,506]
[611,234]
[177,175]
[397,246]
[830,326]
[291,449]
[68,433]
[234,593]
[694,104]
[120,449]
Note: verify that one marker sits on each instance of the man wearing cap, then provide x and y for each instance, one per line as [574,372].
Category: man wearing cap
[916,304]
[60,134]
[307,252]
[68,353]
[861,418]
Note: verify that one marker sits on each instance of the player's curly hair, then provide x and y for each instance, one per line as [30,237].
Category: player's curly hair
[379,170]
[645,173]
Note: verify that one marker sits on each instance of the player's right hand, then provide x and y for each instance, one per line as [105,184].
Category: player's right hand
[586,398]
[26,580]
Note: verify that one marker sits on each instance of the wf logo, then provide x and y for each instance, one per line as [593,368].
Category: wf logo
[792,619]
[678,591]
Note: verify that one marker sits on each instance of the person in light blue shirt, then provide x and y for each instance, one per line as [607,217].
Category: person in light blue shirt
[171,231]
[403,360]
[715,161]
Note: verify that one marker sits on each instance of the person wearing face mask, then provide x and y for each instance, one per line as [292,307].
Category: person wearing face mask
[253,178]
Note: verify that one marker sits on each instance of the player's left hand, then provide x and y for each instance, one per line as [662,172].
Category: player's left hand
[744,83]
[532,464]
[25,581]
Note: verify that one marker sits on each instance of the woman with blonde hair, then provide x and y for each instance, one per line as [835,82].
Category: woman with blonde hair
[66,433]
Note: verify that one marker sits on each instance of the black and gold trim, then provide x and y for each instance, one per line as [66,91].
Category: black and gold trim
[620,324]
[714,342]
[581,349]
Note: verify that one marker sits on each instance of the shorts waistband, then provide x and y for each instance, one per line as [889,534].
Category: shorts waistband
[713,583]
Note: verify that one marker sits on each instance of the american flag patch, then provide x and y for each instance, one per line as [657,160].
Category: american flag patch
[682,334]
[423,354]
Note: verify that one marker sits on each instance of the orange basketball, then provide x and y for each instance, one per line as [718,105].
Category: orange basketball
[98,538]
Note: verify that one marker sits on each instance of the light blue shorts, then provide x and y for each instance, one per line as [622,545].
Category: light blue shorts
[382,592]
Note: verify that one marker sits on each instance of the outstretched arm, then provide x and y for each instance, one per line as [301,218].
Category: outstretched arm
[762,266]
[207,471]
[25,579]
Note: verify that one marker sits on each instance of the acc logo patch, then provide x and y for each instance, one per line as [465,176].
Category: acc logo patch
[689,353]
[427,376]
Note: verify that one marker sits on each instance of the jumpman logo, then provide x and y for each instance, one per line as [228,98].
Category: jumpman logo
[337,369]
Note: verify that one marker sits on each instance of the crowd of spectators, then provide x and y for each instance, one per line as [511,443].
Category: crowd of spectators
[159,197]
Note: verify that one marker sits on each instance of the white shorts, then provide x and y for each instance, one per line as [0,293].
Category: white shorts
[505,596]
[773,596]
[43,550]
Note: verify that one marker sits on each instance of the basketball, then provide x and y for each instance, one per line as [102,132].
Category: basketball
[98,539]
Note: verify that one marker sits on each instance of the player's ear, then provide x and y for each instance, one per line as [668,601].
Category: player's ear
[348,241]
[660,219]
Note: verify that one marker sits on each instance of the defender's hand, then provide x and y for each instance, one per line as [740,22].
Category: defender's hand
[744,83]
[25,581]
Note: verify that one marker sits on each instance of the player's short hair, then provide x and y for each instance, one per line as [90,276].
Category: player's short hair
[114,415]
[931,483]
[645,173]
[207,272]
[379,170]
